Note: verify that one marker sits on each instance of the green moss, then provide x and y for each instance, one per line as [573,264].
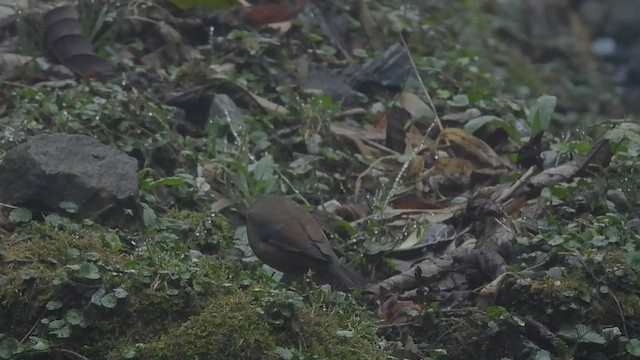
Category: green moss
[209,234]
[320,331]
[230,328]
[41,267]
[236,327]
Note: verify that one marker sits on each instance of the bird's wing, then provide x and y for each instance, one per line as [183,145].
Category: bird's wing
[280,236]
[316,234]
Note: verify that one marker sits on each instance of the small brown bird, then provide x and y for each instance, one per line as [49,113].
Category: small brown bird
[288,238]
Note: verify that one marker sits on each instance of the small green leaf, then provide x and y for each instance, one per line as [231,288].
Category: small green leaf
[283,353]
[69,207]
[39,344]
[28,274]
[56,324]
[72,253]
[74,317]
[92,256]
[109,301]
[54,305]
[168,181]
[120,293]
[20,215]
[89,271]
[633,347]
[173,292]
[151,220]
[54,220]
[129,353]
[10,347]
[460,100]
[112,241]
[584,334]
[265,168]
[542,355]
[63,332]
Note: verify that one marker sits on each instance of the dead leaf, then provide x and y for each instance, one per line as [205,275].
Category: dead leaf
[258,15]
[454,165]
[473,146]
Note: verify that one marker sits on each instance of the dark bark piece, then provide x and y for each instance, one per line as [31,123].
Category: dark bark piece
[70,46]
[397,120]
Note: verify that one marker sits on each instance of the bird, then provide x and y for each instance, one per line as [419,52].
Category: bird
[285,236]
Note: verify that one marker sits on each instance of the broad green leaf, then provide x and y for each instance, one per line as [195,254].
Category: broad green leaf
[283,353]
[74,317]
[584,334]
[56,324]
[39,344]
[54,305]
[54,220]
[63,332]
[109,301]
[10,347]
[120,293]
[460,100]
[89,271]
[20,215]
[265,168]
[541,111]
[633,347]
[28,274]
[68,206]
[112,241]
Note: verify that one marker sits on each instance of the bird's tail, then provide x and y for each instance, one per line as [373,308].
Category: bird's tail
[344,277]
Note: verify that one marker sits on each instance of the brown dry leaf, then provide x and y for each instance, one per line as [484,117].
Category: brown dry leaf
[473,146]
[371,136]
[400,312]
[415,106]
[264,14]
[429,270]
[428,215]
[354,132]
[352,212]
[416,204]
[268,105]
[416,165]
[455,165]
[282,27]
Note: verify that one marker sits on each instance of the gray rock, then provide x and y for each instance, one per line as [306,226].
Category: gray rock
[634,224]
[322,80]
[619,199]
[389,70]
[49,169]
